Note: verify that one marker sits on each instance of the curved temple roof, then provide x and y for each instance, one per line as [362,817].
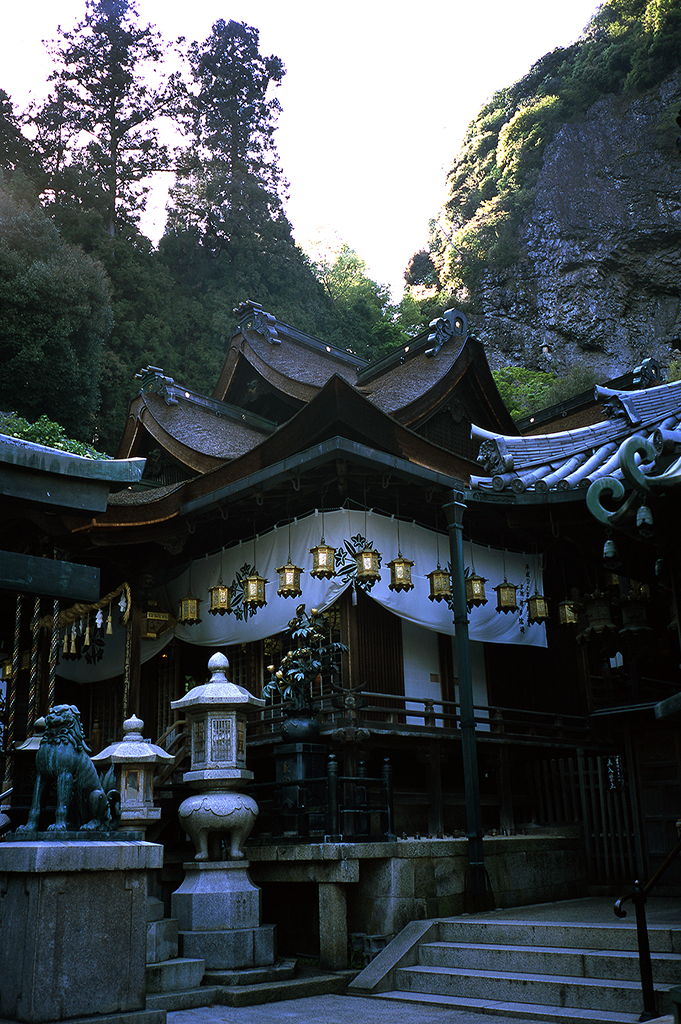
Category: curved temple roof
[575,458]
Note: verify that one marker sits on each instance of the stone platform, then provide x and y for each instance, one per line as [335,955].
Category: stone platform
[73,925]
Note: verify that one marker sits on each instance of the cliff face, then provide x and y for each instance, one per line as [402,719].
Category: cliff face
[600,277]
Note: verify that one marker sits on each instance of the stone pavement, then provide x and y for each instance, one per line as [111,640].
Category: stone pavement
[335,1009]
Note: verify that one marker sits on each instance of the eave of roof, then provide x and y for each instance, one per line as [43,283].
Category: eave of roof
[572,459]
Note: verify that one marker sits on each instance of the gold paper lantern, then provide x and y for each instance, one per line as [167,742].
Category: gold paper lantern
[289,580]
[475,590]
[367,565]
[400,573]
[507,596]
[537,608]
[440,584]
[567,613]
[254,590]
[323,561]
[220,599]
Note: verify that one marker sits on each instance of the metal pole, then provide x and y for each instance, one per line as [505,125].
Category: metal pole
[454,511]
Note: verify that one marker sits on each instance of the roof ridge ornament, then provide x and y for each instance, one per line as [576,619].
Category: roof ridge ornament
[253,317]
[452,324]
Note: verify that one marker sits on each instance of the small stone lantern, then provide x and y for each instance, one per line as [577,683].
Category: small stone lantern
[135,762]
[217,721]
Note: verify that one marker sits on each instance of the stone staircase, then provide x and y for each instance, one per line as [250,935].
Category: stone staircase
[553,971]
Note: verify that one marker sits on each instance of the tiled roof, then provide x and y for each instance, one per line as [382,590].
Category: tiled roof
[574,458]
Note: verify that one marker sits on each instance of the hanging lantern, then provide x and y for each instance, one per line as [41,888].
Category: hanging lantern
[611,558]
[537,608]
[644,521]
[188,614]
[219,599]
[506,596]
[254,590]
[323,561]
[156,621]
[289,580]
[400,573]
[475,590]
[567,613]
[440,584]
[367,565]
[598,614]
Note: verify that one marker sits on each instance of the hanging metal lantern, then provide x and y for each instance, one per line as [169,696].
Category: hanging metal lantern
[506,596]
[220,599]
[611,558]
[367,565]
[440,584]
[323,561]
[400,573]
[537,608]
[475,590]
[156,621]
[188,614]
[567,613]
[254,590]
[289,580]
[598,614]
[644,521]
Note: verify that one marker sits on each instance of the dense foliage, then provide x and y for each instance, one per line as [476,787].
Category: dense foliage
[527,391]
[46,432]
[89,300]
[629,46]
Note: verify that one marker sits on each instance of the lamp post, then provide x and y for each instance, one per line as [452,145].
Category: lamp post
[454,511]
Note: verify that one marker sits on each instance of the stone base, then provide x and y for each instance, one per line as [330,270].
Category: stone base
[235,948]
[73,925]
[216,896]
[284,970]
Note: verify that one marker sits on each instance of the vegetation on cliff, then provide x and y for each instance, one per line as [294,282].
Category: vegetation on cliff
[629,46]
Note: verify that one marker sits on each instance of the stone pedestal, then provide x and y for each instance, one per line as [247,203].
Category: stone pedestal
[218,911]
[73,920]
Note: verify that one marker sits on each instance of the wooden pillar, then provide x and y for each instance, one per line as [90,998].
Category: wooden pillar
[133,658]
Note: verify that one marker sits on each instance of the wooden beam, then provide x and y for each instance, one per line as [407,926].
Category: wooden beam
[46,576]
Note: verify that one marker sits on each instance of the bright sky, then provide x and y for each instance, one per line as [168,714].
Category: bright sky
[377,96]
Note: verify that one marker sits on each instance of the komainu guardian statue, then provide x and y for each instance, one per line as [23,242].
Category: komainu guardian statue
[85,801]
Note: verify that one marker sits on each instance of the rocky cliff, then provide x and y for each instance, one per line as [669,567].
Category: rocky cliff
[600,276]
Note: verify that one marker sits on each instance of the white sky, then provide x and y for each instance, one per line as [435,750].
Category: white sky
[377,96]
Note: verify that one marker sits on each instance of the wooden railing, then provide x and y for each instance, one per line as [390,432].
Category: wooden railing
[176,741]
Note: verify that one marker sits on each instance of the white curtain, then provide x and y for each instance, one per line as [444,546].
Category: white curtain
[271,550]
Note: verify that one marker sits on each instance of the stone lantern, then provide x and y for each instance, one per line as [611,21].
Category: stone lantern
[217,722]
[135,762]
[217,906]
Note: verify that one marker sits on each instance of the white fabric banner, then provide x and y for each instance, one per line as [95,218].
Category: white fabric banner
[420,545]
[271,550]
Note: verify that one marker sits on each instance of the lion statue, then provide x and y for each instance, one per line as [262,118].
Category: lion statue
[84,799]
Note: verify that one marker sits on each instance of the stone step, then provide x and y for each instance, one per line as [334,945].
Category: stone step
[619,936]
[175,975]
[519,1011]
[306,983]
[576,963]
[546,990]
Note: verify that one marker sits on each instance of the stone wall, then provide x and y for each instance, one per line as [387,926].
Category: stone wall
[378,888]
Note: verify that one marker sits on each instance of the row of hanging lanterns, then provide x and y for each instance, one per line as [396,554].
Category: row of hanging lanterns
[367,572]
